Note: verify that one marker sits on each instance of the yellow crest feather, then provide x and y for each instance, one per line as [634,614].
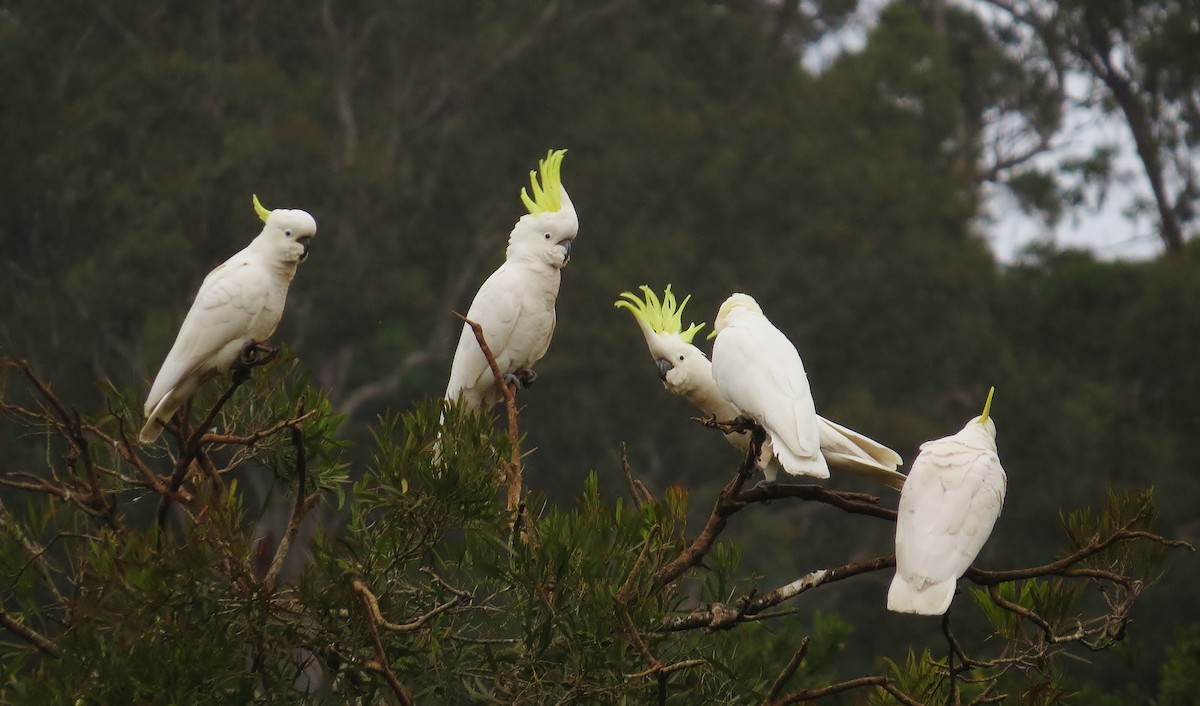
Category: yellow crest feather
[547,196]
[987,406]
[261,210]
[662,316]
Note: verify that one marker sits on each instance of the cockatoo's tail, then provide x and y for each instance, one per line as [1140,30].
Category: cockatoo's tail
[547,196]
[987,406]
[662,316]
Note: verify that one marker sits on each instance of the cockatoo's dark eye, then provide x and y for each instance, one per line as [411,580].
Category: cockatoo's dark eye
[547,236]
[288,233]
[681,357]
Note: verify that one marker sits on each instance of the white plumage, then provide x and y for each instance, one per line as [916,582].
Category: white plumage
[240,301]
[515,305]
[758,370]
[687,372]
[948,507]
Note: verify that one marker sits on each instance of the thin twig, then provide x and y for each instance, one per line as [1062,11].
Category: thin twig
[814,694]
[512,470]
[299,509]
[254,438]
[792,665]
[378,665]
[28,634]
[625,597]
[727,504]
[636,490]
[460,598]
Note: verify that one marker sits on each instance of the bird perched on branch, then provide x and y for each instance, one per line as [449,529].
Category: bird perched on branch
[687,372]
[953,496]
[239,303]
[515,305]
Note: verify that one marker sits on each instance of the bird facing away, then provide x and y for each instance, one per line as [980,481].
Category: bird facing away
[948,507]
[239,302]
[515,305]
[687,372]
[758,370]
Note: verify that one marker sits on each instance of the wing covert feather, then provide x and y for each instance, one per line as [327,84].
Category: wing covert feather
[761,373]
[229,301]
[949,505]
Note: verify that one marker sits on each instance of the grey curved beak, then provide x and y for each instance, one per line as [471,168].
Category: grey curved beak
[304,242]
[567,245]
[664,367]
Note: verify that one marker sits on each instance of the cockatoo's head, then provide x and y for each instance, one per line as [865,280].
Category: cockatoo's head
[681,365]
[983,424]
[736,305]
[286,233]
[546,233]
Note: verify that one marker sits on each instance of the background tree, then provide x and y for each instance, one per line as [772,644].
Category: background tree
[435,591]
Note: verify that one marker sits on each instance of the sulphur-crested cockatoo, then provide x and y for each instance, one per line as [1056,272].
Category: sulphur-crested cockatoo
[947,510]
[515,306]
[758,370]
[686,371]
[239,302]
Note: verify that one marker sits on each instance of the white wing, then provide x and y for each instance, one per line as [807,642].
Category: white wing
[229,309]
[516,337]
[758,370]
[948,507]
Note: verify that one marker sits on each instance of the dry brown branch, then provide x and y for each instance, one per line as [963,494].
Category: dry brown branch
[719,617]
[853,503]
[814,694]
[625,597]
[378,665]
[300,508]
[727,504]
[28,634]
[512,470]
[792,665]
[666,668]
[1064,566]
[636,489]
[377,619]
[254,438]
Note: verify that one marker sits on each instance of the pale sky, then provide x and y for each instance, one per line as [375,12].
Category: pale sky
[1105,230]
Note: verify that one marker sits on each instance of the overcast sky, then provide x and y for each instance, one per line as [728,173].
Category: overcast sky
[1106,230]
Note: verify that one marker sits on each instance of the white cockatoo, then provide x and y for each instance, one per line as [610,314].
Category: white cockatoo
[758,370]
[687,372]
[239,302]
[515,306]
[948,507]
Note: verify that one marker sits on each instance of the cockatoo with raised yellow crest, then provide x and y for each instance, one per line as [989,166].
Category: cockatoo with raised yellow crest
[239,302]
[687,372]
[948,507]
[515,305]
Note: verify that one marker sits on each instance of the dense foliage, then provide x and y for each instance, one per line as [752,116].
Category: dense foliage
[702,153]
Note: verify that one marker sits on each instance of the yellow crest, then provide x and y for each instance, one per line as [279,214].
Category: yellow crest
[662,316]
[547,197]
[987,406]
[262,211]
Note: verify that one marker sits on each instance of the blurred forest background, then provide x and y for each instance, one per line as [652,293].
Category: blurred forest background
[852,200]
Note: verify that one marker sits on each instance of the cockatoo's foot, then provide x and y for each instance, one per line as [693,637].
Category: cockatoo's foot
[252,355]
[764,484]
[525,377]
